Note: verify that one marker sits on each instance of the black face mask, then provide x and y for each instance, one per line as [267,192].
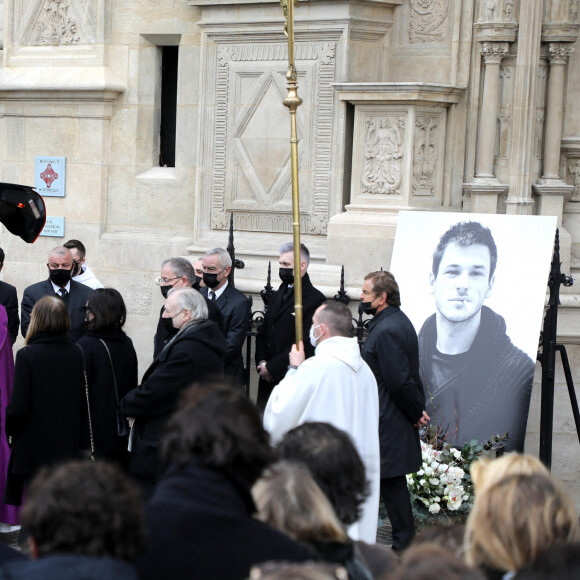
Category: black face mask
[367,308]
[286,275]
[76,269]
[60,277]
[210,279]
[165,290]
[197,282]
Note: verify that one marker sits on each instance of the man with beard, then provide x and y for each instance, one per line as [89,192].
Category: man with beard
[59,283]
[392,353]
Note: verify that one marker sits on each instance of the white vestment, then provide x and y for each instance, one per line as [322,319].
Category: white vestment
[88,278]
[335,386]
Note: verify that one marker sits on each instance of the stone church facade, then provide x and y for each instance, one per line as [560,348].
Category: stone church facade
[439,105]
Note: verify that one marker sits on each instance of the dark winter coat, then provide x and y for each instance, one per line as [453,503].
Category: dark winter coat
[195,353]
[278,332]
[104,401]
[68,567]
[392,352]
[45,414]
[200,525]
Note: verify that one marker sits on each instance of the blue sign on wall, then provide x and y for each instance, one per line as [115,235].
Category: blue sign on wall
[54,227]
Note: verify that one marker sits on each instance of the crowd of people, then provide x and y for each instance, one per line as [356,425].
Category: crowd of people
[181,475]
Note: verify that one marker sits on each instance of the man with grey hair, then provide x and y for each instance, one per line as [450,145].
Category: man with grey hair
[234,306]
[277,333]
[335,386]
[59,283]
[195,353]
[178,273]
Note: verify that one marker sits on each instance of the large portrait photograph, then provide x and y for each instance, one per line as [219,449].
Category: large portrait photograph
[474,287]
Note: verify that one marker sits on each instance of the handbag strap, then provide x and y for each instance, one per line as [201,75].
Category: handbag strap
[88,403]
[112,370]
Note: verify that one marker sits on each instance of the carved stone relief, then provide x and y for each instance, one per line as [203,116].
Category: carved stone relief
[251,174]
[496,11]
[425,155]
[574,168]
[54,22]
[383,155]
[540,112]
[428,20]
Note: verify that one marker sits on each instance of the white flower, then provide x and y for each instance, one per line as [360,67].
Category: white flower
[437,499]
[422,482]
[435,464]
[434,508]
[458,473]
[434,481]
[442,468]
[454,495]
[456,453]
[465,497]
[428,471]
[420,472]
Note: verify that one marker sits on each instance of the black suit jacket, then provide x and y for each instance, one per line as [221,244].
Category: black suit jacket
[392,353]
[79,294]
[278,333]
[9,299]
[235,309]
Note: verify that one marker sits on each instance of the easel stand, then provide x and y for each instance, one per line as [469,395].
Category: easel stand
[547,358]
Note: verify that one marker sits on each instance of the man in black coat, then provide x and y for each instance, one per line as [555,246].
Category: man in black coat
[392,352]
[196,352]
[178,273]
[200,518]
[59,283]
[278,332]
[234,306]
[9,299]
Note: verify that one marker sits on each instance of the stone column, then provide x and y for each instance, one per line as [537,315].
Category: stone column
[559,54]
[492,53]
[551,187]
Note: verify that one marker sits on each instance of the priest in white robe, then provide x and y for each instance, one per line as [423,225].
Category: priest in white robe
[335,386]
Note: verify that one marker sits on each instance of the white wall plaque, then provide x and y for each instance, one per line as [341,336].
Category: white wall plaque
[50,176]
[54,227]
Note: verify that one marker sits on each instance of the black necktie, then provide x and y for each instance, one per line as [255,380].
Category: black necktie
[212,295]
[62,292]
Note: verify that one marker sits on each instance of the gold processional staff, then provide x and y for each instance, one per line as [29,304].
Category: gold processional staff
[293,101]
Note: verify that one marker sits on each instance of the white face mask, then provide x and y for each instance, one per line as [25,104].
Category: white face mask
[314,340]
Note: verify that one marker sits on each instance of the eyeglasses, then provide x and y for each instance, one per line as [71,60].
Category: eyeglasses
[165,281]
[86,308]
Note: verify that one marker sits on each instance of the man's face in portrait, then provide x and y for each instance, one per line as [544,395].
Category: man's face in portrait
[462,283]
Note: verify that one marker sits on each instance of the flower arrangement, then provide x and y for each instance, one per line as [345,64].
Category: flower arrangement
[442,488]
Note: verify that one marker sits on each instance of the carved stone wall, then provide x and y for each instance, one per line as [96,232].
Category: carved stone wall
[251,173]
[54,22]
[398,154]
[428,20]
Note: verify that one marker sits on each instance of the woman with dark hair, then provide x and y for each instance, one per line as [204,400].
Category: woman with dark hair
[44,417]
[111,364]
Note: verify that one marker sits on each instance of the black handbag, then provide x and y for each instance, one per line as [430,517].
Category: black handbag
[122,424]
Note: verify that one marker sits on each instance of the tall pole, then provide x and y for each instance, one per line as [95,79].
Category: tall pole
[293,101]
